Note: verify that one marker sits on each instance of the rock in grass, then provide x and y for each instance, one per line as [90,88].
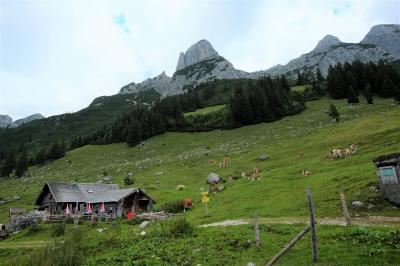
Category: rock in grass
[263,157]
[142,233]
[250,264]
[357,204]
[213,178]
[144,224]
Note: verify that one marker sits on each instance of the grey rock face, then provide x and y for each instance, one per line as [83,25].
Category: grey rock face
[200,51]
[326,43]
[5,121]
[385,36]
[201,63]
[158,83]
[27,119]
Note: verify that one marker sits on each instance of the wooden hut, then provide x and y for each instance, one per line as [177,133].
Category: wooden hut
[56,197]
[388,171]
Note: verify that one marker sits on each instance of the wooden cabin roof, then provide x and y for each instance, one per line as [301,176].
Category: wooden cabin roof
[86,192]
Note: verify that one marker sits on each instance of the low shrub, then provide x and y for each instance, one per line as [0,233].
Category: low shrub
[34,229]
[58,229]
[134,221]
[173,206]
[180,227]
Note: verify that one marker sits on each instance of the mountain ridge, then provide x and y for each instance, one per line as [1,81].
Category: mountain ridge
[330,50]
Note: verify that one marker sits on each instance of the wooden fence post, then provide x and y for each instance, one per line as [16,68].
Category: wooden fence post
[257,230]
[344,207]
[312,226]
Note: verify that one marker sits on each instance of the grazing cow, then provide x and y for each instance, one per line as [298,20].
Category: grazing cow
[211,161]
[307,173]
[187,203]
[347,152]
[353,148]
[301,154]
[336,153]
[256,176]
[222,165]
[226,160]
[244,175]
[255,170]
[180,187]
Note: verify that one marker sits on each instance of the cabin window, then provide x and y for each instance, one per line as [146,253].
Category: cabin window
[388,175]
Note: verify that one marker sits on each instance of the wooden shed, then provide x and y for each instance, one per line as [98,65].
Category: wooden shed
[56,196]
[388,171]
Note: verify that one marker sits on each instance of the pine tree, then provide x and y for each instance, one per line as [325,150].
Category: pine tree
[9,164]
[40,157]
[352,95]
[134,133]
[320,78]
[22,164]
[300,79]
[368,94]
[333,112]
[56,151]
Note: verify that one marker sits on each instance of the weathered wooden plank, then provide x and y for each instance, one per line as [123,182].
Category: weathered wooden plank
[288,246]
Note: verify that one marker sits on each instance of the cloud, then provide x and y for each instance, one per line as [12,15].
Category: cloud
[63,54]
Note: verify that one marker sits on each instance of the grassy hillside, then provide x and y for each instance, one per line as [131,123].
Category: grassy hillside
[101,112]
[181,158]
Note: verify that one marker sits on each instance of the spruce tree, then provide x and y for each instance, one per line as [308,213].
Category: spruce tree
[352,95]
[22,164]
[320,78]
[333,112]
[9,164]
[368,94]
[134,133]
[40,157]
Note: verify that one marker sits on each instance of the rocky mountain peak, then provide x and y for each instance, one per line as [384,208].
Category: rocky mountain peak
[387,36]
[326,43]
[200,51]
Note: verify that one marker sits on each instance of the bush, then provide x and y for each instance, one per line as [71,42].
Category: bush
[180,227]
[69,220]
[33,229]
[135,221]
[129,181]
[58,229]
[173,206]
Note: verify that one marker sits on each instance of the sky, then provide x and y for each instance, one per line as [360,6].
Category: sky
[57,56]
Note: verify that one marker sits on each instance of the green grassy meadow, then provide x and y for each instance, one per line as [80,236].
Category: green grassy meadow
[181,158]
[206,110]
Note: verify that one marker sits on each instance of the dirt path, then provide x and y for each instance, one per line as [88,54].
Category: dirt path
[24,244]
[363,221]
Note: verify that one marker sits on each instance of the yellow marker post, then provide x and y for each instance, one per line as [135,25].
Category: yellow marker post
[205,199]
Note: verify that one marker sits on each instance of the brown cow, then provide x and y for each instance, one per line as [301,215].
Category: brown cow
[211,161]
[187,203]
[307,173]
[222,165]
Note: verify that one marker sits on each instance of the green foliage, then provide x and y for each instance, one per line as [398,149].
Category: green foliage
[22,164]
[9,164]
[128,180]
[33,229]
[173,206]
[58,229]
[134,133]
[134,221]
[180,227]
[333,112]
[346,81]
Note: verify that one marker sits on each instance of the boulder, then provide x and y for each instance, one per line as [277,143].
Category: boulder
[213,178]
[263,157]
[144,224]
[357,204]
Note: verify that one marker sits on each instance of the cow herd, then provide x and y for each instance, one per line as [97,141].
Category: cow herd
[343,153]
